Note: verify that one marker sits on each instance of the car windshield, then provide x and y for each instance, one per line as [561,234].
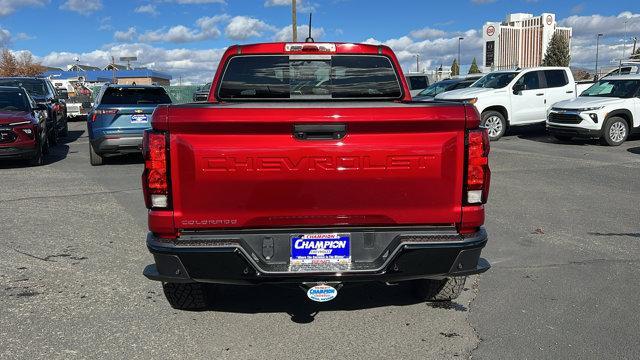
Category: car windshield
[134,96]
[495,80]
[437,88]
[13,101]
[613,88]
[309,78]
[35,87]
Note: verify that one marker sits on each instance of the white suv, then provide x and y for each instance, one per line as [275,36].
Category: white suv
[519,97]
[608,110]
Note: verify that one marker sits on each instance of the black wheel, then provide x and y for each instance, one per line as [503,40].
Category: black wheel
[65,130]
[94,158]
[615,131]
[495,123]
[438,290]
[38,158]
[45,144]
[53,133]
[187,296]
[563,138]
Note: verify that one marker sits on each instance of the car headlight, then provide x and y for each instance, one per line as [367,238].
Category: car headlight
[470,101]
[590,108]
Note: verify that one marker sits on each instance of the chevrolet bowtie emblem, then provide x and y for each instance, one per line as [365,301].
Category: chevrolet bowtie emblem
[138,111]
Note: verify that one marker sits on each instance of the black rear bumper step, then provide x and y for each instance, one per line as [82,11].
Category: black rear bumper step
[378,254]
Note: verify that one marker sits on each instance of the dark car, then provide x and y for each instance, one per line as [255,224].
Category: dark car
[202,94]
[445,85]
[23,126]
[43,92]
[119,117]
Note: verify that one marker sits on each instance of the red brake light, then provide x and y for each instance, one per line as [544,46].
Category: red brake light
[103,112]
[155,176]
[478,173]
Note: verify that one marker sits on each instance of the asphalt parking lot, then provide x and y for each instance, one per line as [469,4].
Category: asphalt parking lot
[564,229]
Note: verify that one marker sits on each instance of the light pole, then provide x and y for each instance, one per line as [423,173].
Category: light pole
[459,40]
[597,54]
[624,44]
[294,25]
[417,62]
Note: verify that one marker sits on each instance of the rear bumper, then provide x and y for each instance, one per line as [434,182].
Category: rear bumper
[118,144]
[378,254]
[573,131]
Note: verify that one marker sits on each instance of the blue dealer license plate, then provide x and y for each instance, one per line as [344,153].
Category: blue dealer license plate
[321,249]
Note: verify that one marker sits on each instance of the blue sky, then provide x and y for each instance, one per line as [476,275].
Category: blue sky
[186,37]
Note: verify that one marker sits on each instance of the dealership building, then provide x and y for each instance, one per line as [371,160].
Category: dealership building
[520,41]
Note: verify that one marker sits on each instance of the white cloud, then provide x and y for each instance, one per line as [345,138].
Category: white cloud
[24,36]
[285,34]
[5,37]
[193,66]
[83,7]
[206,29]
[590,25]
[125,36]
[428,33]
[8,7]
[301,5]
[146,9]
[201,1]
[244,27]
[434,52]
[179,34]
[105,24]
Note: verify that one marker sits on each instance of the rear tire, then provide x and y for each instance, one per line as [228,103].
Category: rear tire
[186,296]
[65,129]
[94,158]
[438,290]
[563,138]
[53,135]
[495,124]
[38,159]
[615,131]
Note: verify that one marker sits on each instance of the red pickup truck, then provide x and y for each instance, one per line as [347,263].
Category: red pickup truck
[310,165]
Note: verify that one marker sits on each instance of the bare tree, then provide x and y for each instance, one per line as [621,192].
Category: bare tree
[23,65]
[8,63]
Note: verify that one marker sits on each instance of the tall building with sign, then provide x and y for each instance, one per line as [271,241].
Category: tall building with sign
[520,41]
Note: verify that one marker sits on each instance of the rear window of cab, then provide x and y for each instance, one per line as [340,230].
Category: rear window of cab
[309,77]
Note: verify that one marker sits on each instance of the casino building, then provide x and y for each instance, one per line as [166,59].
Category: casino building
[520,41]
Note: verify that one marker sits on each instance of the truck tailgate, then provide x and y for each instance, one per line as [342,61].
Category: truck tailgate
[242,167]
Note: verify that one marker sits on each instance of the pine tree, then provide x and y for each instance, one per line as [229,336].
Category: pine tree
[455,69]
[474,67]
[557,52]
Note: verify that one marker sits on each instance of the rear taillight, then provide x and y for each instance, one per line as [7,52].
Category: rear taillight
[103,112]
[478,173]
[155,179]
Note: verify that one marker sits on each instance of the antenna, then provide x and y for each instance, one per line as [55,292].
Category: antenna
[309,39]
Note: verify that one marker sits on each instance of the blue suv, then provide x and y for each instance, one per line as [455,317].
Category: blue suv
[120,115]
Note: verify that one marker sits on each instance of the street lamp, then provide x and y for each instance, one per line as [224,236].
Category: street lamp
[626,35]
[417,62]
[459,40]
[597,54]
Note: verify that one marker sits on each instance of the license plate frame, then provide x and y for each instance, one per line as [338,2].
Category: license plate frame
[320,249]
[139,119]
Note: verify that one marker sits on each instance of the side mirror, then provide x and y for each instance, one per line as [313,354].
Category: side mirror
[517,88]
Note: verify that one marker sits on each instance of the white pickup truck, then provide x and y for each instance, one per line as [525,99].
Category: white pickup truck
[608,110]
[517,97]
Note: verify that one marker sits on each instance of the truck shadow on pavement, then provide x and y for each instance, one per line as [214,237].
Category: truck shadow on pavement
[292,300]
